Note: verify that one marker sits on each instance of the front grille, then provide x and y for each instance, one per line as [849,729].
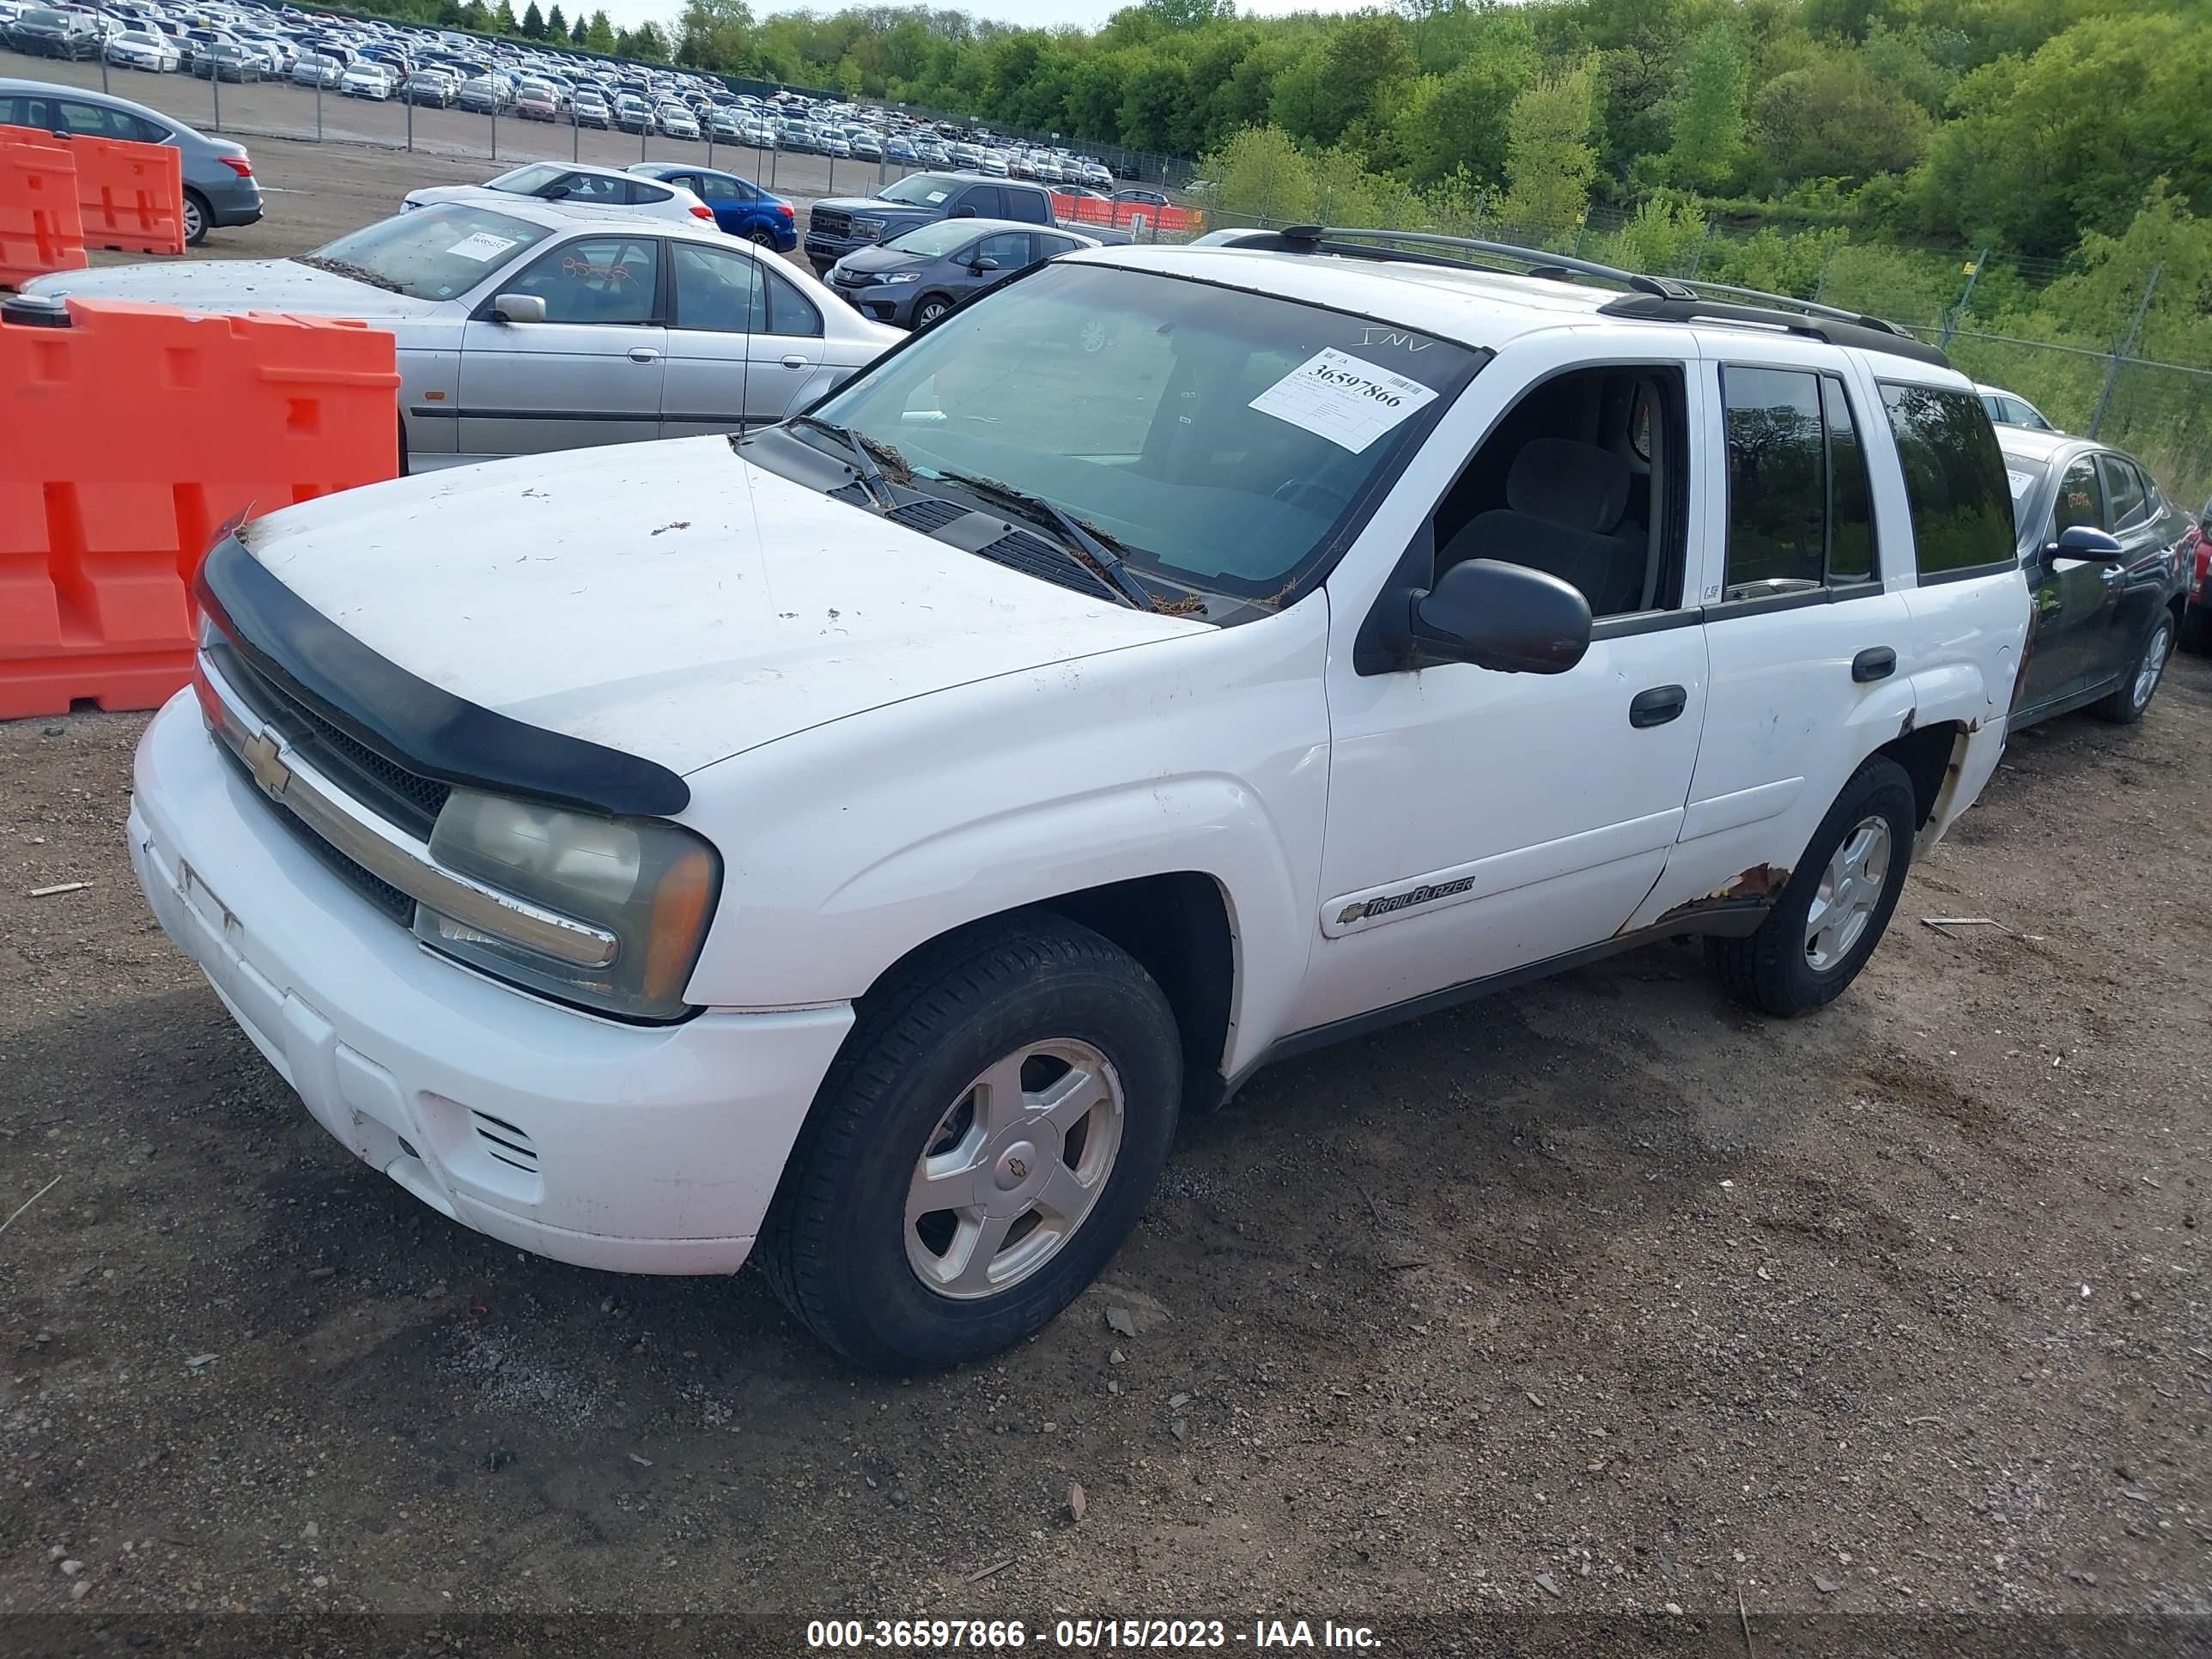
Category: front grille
[1026,553]
[373,888]
[505,1141]
[402,798]
[830,222]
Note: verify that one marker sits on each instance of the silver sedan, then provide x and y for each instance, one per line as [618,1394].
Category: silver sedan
[527,326]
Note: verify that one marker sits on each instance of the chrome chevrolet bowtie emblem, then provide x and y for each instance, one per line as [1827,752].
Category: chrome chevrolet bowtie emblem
[259,753]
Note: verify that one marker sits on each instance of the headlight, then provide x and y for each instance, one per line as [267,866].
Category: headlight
[904,277]
[868,230]
[650,883]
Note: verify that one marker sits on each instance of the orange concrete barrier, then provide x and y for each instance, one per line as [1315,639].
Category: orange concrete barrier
[42,228]
[1126,216]
[136,431]
[129,196]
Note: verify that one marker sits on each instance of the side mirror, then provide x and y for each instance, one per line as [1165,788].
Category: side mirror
[982,265]
[963,213]
[518,308]
[2083,541]
[1505,618]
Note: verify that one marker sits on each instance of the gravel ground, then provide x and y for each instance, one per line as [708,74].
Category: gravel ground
[1598,1297]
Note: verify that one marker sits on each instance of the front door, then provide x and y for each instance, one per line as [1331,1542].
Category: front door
[2068,598]
[590,374]
[1478,822]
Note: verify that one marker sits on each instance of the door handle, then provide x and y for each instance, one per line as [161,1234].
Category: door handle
[794,361]
[644,354]
[1876,662]
[1658,706]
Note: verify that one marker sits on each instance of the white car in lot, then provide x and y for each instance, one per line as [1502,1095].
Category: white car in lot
[143,49]
[524,326]
[677,121]
[857,846]
[367,79]
[575,184]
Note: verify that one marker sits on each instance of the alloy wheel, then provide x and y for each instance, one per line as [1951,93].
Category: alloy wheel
[1850,887]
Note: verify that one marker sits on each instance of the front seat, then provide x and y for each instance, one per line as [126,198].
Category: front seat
[1563,515]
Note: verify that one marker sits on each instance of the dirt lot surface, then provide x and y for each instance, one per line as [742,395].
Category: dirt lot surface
[1599,1295]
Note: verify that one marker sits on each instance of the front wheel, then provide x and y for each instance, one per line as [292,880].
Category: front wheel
[932,307]
[1836,904]
[986,1138]
[2125,703]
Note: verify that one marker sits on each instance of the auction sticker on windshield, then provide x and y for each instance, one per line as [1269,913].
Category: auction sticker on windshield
[482,247]
[1343,398]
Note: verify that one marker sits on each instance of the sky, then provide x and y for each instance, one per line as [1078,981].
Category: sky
[1040,13]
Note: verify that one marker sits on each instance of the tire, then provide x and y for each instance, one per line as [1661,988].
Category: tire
[763,237]
[1778,970]
[196,218]
[2197,630]
[2126,703]
[929,308]
[839,1245]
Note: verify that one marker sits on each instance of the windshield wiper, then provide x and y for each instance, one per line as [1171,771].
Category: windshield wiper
[1090,547]
[864,449]
[352,273]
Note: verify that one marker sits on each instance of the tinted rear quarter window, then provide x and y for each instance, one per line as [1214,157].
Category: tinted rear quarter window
[1954,480]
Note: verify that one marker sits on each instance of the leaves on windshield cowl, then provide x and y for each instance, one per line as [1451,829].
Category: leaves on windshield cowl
[351,273]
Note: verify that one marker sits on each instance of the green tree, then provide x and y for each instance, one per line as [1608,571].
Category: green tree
[1833,120]
[1549,159]
[1261,173]
[647,41]
[533,22]
[1448,123]
[1664,237]
[502,18]
[556,26]
[1364,58]
[599,36]
[1708,113]
[715,34]
[580,32]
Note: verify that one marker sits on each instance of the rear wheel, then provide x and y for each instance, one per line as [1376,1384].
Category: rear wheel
[1836,904]
[2125,703]
[195,217]
[986,1141]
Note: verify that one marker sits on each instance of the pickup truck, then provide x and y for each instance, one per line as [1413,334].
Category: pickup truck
[838,225]
[855,845]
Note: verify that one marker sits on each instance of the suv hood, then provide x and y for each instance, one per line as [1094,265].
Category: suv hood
[874,205]
[670,600]
[234,285]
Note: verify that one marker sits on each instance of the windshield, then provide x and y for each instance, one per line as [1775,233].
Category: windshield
[526,181]
[432,253]
[1222,438]
[938,240]
[922,189]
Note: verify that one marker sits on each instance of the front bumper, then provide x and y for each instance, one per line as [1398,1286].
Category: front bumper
[633,1149]
[881,303]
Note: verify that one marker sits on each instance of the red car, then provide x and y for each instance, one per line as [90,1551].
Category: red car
[534,101]
[2196,571]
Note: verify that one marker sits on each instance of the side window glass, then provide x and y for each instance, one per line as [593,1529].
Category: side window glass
[1777,483]
[600,279]
[637,195]
[790,312]
[1851,505]
[88,119]
[1955,479]
[1010,248]
[984,200]
[2124,491]
[2081,499]
[718,290]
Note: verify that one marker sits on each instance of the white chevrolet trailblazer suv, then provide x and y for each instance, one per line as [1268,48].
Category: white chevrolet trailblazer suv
[854,843]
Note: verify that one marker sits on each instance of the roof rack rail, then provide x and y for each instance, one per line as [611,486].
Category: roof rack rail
[1325,238]
[1650,298]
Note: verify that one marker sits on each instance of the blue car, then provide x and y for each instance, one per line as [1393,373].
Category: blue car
[741,207]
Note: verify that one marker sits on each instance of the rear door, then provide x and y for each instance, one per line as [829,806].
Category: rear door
[590,372]
[1806,625]
[744,346]
[2136,589]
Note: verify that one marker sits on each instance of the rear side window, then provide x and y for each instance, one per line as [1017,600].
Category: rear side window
[1799,505]
[2130,504]
[790,312]
[1954,480]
